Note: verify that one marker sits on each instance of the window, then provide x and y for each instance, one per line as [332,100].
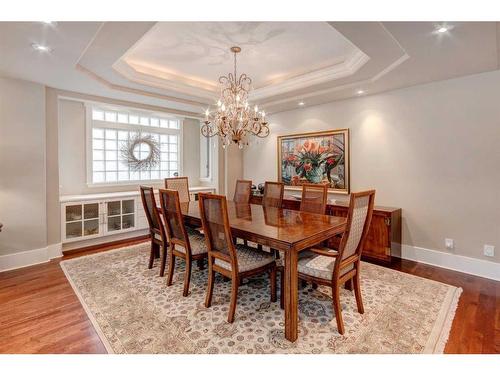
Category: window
[110,132]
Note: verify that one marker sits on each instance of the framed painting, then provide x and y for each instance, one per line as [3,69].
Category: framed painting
[317,158]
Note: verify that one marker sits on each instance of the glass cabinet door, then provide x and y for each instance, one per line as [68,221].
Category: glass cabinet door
[91,219]
[120,215]
[114,218]
[81,220]
[128,217]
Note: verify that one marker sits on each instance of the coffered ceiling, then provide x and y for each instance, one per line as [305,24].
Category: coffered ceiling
[177,64]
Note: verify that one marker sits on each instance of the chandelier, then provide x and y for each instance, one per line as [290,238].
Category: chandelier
[234,119]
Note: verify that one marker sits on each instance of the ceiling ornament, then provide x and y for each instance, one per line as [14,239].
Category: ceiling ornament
[234,120]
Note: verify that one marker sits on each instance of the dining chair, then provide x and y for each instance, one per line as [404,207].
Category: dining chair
[314,197]
[181,184]
[234,261]
[242,191]
[242,194]
[273,194]
[334,267]
[185,243]
[156,228]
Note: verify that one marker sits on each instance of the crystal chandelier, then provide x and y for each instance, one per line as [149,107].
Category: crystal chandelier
[234,120]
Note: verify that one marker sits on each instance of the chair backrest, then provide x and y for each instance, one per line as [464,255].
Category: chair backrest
[242,191]
[181,184]
[215,221]
[273,194]
[358,222]
[314,198]
[151,211]
[172,217]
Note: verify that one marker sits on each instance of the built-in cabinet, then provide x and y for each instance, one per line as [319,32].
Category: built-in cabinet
[90,216]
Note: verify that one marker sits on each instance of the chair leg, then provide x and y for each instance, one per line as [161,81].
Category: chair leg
[210,284]
[201,264]
[282,289]
[348,285]
[187,277]
[163,260]
[155,248]
[272,281]
[171,267]
[151,256]
[357,293]
[234,298]
[337,308]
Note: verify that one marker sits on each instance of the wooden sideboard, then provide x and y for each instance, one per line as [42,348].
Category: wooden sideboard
[384,236]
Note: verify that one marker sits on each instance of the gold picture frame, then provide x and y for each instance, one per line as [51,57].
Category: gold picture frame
[318,158]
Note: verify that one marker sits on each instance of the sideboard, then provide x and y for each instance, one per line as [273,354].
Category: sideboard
[384,237]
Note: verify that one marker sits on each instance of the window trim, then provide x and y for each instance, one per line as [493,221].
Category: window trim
[111,125]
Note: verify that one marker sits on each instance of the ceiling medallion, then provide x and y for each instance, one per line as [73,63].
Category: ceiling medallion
[234,120]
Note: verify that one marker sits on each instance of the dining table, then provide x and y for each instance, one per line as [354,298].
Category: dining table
[289,231]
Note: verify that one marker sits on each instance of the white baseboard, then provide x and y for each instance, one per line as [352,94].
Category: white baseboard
[103,239]
[30,257]
[54,251]
[472,266]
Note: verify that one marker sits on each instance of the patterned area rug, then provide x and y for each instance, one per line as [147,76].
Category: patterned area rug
[134,311]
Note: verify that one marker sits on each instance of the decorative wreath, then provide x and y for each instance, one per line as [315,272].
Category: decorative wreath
[138,164]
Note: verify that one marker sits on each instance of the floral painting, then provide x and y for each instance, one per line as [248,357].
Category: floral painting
[317,158]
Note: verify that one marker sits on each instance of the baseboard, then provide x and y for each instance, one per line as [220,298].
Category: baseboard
[100,245]
[29,258]
[78,245]
[472,266]
[55,250]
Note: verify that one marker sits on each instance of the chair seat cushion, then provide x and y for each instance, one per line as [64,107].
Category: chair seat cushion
[320,266]
[248,259]
[197,242]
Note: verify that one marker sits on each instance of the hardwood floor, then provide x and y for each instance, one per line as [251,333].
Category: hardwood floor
[39,312]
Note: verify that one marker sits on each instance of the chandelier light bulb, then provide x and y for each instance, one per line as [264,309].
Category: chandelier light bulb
[233,120]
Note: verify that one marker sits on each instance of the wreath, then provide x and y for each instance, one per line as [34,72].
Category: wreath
[128,153]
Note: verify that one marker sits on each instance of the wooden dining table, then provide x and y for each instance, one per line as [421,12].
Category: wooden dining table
[290,231]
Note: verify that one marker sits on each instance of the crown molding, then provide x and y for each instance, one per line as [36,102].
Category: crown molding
[152,77]
[347,68]
[147,76]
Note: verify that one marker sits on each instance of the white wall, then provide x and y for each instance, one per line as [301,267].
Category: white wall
[22,166]
[432,150]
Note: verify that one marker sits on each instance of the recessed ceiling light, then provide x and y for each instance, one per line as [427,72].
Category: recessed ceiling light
[40,47]
[360,92]
[442,29]
[301,103]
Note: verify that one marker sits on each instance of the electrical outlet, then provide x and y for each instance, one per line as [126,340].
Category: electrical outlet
[489,250]
[449,243]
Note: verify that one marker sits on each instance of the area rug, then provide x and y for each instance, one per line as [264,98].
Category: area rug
[133,311]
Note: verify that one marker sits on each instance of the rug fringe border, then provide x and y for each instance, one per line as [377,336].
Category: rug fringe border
[436,345]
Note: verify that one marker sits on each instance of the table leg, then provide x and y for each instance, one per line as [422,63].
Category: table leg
[291,295]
